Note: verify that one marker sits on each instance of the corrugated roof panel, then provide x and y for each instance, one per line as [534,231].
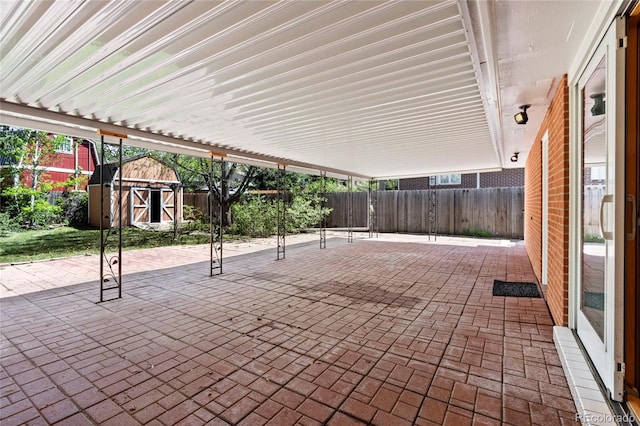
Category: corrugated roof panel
[374,88]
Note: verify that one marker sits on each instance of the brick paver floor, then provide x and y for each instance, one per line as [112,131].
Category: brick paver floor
[373,332]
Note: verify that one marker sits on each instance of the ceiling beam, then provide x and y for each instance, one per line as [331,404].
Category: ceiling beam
[26,116]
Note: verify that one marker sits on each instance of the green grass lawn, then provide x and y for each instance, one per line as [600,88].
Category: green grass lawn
[67,241]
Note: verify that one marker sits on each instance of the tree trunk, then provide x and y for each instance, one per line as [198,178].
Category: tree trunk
[226,207]
[34,176]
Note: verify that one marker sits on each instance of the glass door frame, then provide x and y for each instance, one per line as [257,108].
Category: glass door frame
[608,356]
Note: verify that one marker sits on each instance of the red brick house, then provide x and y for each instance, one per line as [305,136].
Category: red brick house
[500,179]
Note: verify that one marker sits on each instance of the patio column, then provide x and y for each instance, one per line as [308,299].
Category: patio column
[114,263]
[281,207]
[215,225]
[373,209]
[432,213]
[350,209]
[323,204]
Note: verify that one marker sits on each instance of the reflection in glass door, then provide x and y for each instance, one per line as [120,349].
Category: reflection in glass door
[595,202]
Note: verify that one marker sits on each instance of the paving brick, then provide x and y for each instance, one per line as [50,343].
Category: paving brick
[301,386]
[59,411]
[341,419]
[288,398]
[383,418]
[315,410]
[179,412]
[103,411]
[268,409]
[285,417]
[239,410]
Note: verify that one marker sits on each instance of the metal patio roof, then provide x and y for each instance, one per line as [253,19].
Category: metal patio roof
[364,88]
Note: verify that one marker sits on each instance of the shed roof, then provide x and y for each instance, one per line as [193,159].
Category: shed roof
[111,169]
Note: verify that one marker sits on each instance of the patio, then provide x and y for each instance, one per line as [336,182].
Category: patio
[377,332]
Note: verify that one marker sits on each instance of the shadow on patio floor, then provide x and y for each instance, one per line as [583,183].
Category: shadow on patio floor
[370,332]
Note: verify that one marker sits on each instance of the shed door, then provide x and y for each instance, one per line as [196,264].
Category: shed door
[140,205]
[168,205]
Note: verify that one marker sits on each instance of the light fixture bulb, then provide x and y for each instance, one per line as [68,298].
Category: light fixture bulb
[522,117]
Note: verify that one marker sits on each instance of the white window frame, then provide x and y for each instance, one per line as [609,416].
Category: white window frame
[62,148]
[441,180]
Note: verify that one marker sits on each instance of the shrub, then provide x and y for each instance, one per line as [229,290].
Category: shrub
[75,207]
[8,224]
[254,217]
[194,220]
[29,207]
[303,212]
[257,216]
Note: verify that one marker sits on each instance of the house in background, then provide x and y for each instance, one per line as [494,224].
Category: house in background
[73,158]
[151,193]
[506,178]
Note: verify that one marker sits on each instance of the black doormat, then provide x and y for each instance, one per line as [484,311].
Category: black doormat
[594,300]
[515,289]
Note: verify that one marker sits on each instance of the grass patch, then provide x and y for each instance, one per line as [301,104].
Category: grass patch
[588,238]
[67,241]
[477,232]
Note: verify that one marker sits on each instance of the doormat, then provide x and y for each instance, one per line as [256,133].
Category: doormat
[594,300]
[515,289]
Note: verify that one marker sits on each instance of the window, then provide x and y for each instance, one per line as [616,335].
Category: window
[451,179]
[65,146]
[598,173]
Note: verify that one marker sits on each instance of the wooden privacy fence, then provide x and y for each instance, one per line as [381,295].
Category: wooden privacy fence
[340,213]
[495,211]
[199,200]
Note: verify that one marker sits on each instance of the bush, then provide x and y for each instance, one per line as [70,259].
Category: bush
[8,224]
[30,208]
[75,207]
[254,217]
[257,216]
[42,213]
[303,212]
[194,220]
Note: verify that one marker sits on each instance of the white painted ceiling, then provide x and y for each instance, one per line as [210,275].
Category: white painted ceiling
[536,43]
[367,88]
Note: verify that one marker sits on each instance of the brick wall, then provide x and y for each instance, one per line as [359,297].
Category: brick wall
[556,122]
[533,206]
[410,184]
[503,179]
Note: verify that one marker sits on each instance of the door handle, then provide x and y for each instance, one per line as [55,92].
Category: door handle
[608,198]
[634,218]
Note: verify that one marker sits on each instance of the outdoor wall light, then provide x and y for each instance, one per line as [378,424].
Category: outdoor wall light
[514,157]
[522,117]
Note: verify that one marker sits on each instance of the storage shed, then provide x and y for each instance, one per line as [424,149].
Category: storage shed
[151,193]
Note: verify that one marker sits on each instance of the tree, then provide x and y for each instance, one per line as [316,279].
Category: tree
[195,174]
[23,151]
[227,181]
